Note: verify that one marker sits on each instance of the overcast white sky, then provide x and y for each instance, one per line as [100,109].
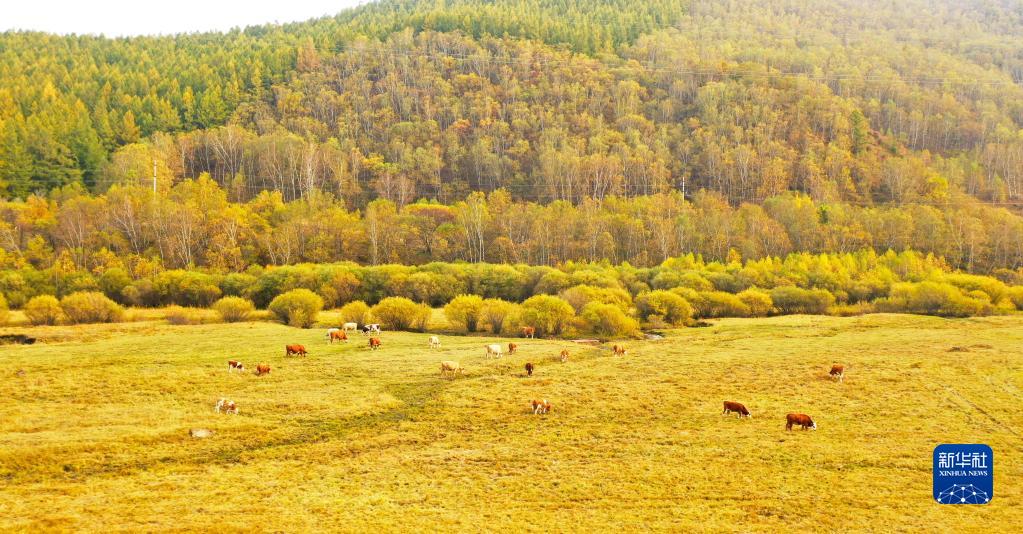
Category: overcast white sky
[140,17]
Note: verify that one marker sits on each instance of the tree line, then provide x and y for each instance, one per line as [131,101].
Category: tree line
[193,224]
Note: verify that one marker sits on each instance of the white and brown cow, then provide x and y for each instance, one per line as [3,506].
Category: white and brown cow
[450,368]
[540,406]
[226,406]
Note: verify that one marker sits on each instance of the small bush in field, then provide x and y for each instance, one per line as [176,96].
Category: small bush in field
[5,312]
[496,313]
[234,309]
[91,307]
[400,313]
[664,306]
[355,311]
[298,307]
[421,318]
[719,304]
[790,300]
[1015,295]
[758,302]
[695,281]
[464,311]
[850,310]
[549,315]
[581,295]
[179,315]
[935,298]
[608,320]
[43,310]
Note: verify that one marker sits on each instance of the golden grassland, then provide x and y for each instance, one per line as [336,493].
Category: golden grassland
[94,429]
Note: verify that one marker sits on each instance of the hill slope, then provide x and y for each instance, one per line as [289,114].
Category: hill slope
[864,102]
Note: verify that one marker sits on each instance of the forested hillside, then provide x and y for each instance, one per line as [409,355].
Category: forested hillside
[824,126]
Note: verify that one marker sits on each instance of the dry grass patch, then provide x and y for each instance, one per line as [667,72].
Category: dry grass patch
[95,430]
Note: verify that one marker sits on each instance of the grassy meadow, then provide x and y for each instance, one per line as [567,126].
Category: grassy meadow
[94,429]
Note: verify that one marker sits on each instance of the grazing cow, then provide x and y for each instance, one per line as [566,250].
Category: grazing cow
[226,406]
[451,368]
[235,365]
[540,407]
[371,328]
[838,371]
[350,326]
[262,369]
[618,350]
[512,347]
[528,331]
[374,343]
[529,368]
[297,350]
[736,407]
[434,342]
[800,419]
[494,350]
[338,335]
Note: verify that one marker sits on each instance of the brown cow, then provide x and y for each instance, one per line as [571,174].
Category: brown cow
[262,369]
[235,365]
[374,343]
[528,331]
[529,368]
[338,335]
[838,371]
[618,350]
[512,347]
[737,408]
[540,407]
[800,419]
[297,350]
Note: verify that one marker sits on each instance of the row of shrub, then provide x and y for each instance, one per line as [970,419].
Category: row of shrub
[850,278]
[605,312]
[497,297]
[82,307]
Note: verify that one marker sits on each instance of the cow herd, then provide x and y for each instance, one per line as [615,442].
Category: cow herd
[792,419]
[332,334]
[453,369]
[495,350]
[448,368]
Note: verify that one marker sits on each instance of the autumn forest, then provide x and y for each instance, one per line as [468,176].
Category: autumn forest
[525,131]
